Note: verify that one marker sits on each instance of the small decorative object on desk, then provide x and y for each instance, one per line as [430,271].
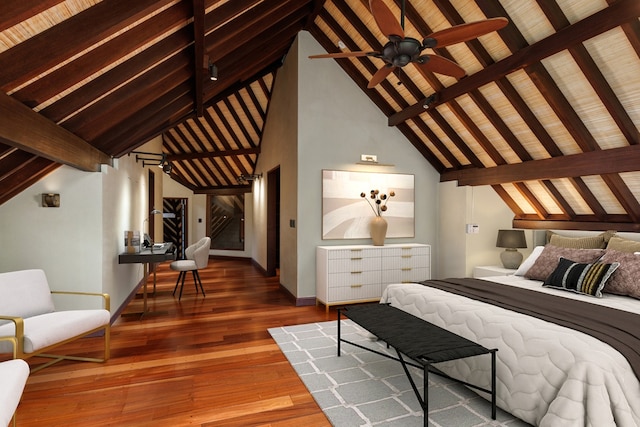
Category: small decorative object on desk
[132,241]
[378,225]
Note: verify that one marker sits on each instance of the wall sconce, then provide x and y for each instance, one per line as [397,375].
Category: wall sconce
[247,178]
[50,200]
[370,159]
[153,159]
[213,71]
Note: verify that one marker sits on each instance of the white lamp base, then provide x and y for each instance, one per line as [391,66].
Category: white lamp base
[511,258]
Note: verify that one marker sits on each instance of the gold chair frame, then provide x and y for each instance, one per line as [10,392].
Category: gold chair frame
[18,338]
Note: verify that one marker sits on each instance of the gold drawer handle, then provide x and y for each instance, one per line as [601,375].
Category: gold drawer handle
[356,272]
[356,259]
[406,269]
[407,256]
[356,250]
[356,286]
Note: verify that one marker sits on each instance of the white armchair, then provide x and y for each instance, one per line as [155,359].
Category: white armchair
[197,258]
[14,374]
[30,325]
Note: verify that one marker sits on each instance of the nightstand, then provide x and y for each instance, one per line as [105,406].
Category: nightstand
[492,270]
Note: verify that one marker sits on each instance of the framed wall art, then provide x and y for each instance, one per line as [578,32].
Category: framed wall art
[346,215]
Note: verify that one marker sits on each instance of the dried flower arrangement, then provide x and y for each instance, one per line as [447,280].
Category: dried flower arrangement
[380,201]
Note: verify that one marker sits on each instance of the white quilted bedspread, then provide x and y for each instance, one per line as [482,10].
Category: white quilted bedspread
[547,375]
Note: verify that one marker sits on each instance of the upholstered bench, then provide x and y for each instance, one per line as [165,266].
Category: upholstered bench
[30,325]
[13,377]
[420,341]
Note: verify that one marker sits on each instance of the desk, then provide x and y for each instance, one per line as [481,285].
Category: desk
[148,257]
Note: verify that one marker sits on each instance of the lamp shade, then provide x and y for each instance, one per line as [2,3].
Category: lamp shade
[511,239]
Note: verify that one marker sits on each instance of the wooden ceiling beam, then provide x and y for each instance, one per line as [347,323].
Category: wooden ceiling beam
[598,82]
[16,11]
[46,50]
[118,76]
[264,17]
[96,60]
[624,195]
[26,175]
[615,160]
[128,100]
[531,198]
[618,13]
[559,199]
[27,130]
[199,63]
[158,116]
[577,224]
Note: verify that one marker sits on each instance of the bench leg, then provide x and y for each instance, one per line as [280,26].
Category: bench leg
[339,333]
[424,401]
[493,384]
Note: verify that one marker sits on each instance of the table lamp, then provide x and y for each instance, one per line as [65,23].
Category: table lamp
[511,240]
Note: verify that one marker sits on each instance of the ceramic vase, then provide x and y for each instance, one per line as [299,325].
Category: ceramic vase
[378,230]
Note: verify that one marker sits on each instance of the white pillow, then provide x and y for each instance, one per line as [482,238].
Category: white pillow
[528,263]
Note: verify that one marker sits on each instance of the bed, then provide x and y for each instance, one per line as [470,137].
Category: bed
[549,373]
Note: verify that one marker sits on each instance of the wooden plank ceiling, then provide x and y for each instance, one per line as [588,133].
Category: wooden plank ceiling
[548,113]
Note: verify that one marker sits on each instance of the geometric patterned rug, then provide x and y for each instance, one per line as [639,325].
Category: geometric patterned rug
[361,388]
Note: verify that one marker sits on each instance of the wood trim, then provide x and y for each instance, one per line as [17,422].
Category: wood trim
[615,160]
[27,130]
[618,13]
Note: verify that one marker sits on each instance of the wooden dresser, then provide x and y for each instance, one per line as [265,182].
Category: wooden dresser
[360,273]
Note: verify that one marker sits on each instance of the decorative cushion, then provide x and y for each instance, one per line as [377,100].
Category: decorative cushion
[592,242]
[548,260]
[623,245]
[624,280]
[586,279]
[528,263]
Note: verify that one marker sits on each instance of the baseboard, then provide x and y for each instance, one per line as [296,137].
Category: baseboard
[306,301]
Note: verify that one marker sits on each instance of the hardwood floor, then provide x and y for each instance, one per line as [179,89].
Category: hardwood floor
[204,362]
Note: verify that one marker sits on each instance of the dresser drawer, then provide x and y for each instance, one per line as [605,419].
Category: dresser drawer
[353,253]
[354,293]
[406,275]
[405,261]
[339,280]
[407,251]
[348,265]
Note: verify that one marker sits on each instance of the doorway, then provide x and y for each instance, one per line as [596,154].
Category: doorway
[273,222]
[174,214]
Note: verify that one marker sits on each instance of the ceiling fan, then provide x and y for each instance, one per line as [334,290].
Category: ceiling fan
[400,50]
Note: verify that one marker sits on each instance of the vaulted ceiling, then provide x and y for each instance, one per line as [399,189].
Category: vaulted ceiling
[548,113]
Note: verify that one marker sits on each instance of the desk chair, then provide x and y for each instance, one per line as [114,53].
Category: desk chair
[14,374]
[197,258]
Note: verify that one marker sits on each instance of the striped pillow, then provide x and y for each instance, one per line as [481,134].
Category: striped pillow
[586,279]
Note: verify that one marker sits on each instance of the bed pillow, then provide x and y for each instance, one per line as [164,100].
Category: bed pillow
[586,279]
[623,245]
[625,280]
[527,263]
[591,242]
[548,260]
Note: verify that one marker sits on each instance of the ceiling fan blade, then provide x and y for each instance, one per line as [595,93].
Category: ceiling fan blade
[438,64]
[380,75]
[385,19]
[341,55]
[464,32]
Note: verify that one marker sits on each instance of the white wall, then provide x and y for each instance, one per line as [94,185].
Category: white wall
[77,244]
[460,252]
[319,119]
[279,148]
